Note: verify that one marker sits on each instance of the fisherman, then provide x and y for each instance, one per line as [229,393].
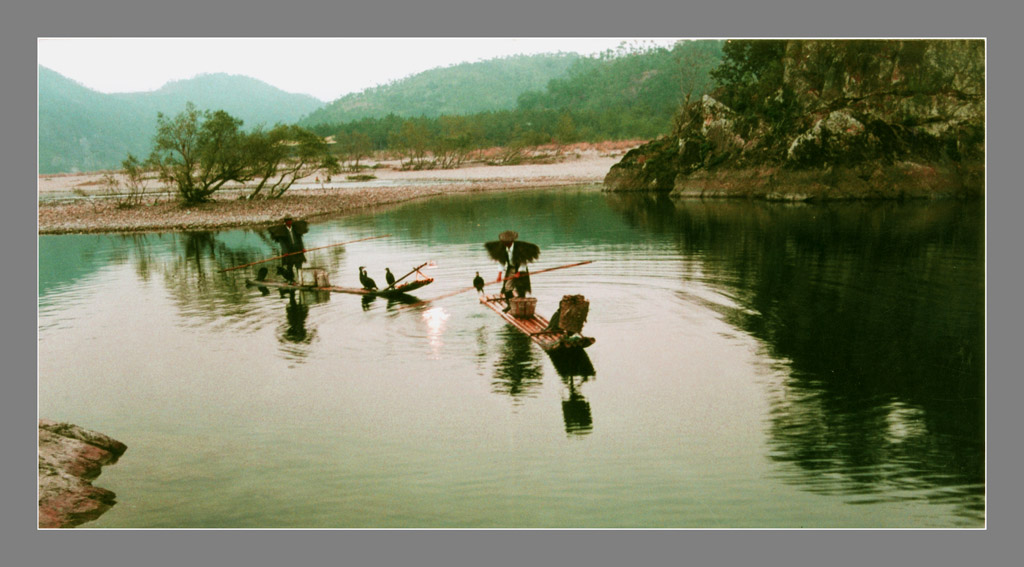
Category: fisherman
[289,236]
[513,255]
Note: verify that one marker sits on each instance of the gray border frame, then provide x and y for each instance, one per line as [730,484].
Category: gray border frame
[22,24]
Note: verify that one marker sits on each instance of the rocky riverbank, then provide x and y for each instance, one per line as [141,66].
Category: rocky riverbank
[828,120]
[86,211]
[70,458]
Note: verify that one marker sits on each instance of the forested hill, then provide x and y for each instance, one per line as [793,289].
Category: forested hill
[84,130]
[467,88]
[631,92]
[628,93]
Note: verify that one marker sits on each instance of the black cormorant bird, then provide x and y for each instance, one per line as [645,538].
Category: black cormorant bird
[389,277]
[261,275]
[286,273]
[478,283]
[366,280]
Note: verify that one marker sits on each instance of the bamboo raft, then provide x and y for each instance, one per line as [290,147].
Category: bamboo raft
[320,283]
[536,327]
[397,291]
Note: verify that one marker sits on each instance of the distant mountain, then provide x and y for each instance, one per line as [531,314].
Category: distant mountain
[84,130]
[462,89]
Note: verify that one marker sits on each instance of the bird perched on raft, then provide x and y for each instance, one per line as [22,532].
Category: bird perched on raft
[478,283]
[389,277]
[366,280]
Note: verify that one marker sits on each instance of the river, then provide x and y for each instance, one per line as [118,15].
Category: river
[756,365]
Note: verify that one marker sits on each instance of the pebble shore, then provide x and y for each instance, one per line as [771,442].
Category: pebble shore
[306,200]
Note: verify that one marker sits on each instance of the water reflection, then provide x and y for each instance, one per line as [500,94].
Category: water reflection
[296,312]
[856,332]
[575,368]
[517,373]
[877,312]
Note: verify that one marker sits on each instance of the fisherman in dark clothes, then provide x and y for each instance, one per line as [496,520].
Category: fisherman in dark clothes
[289,236]
[478,283]
[513,255]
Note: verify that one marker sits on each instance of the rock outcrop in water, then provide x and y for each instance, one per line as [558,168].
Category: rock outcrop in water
[69,459]
[816,119]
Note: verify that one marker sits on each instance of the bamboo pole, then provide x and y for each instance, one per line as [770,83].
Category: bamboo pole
[470,288]
[414,270]
[302,252]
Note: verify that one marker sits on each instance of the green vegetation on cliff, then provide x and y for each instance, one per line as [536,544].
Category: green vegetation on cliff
[797,119]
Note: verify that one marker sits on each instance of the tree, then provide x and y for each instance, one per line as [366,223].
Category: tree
[135,182]
[750,71]
[199,151]
[412,142]
[452,146]
[284,155]
[354,146]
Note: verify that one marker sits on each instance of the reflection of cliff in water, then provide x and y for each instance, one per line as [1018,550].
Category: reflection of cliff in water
[878,309]
[575,368]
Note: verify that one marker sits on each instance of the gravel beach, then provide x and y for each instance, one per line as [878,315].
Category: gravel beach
[72,203]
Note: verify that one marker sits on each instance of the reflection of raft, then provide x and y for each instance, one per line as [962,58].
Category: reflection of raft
[536,327]
[397,291]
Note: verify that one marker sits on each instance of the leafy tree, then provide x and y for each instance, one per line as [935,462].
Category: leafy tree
[750,71]
[135,181]
[412,141]
[566,131]
[198,152]
[282,156]
[453,143]
[355,147]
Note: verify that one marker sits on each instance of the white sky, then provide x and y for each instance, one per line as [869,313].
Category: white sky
[326,68]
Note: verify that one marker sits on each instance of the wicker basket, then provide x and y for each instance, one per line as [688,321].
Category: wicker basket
[523,306]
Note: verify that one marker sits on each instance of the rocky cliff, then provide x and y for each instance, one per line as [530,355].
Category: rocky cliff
[817,119]
[69,459]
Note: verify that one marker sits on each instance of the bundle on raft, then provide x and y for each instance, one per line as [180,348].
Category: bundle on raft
[562,332]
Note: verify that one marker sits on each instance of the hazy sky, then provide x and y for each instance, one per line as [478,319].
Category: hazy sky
[326,68]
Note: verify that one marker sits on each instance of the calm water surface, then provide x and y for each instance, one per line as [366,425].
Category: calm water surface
[756,365]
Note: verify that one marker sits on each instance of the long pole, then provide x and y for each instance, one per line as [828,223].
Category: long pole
[470,288]
[414,270]
[301,252]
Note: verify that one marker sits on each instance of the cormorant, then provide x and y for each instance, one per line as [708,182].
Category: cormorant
[389,277]
[261,275]
[366,280]
[478,283]
[286,273]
